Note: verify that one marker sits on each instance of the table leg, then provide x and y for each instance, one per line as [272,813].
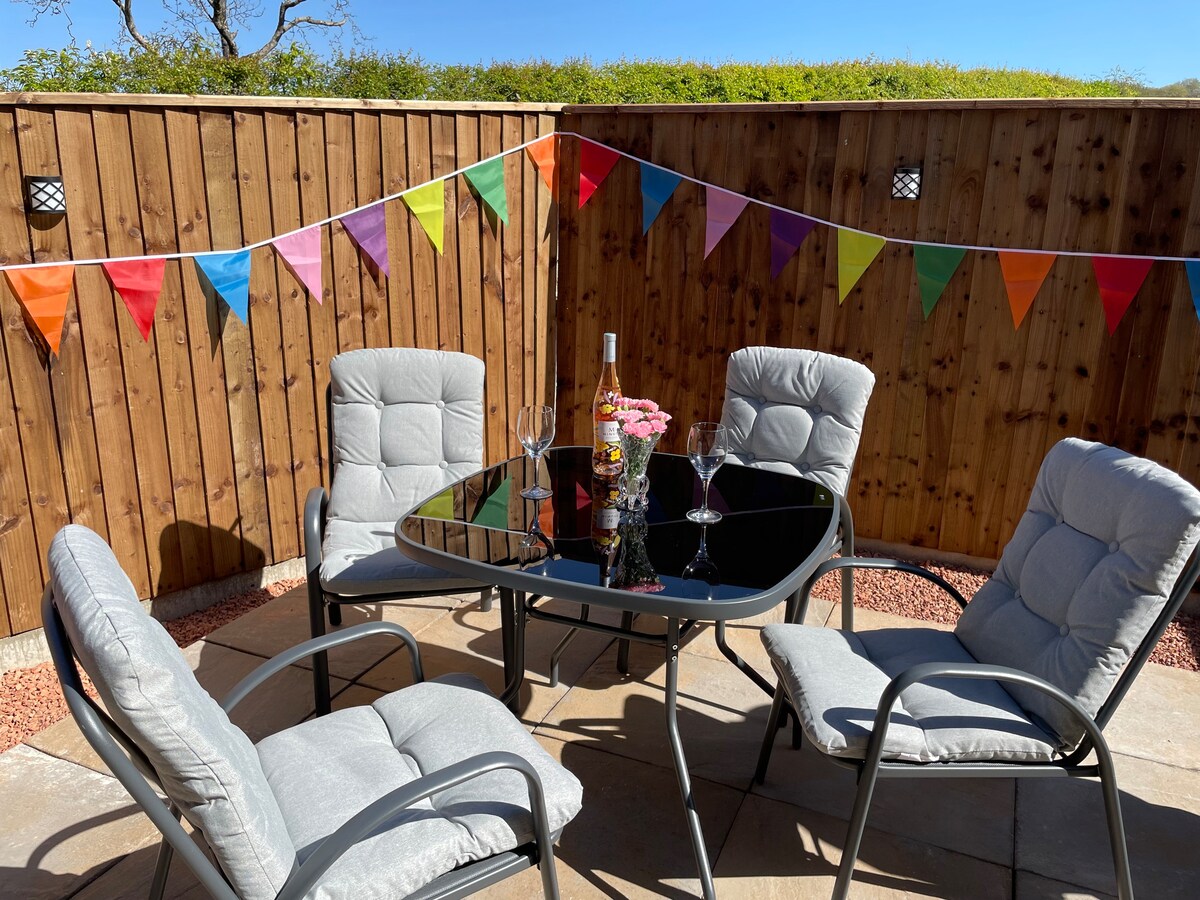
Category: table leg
[681,770]
[512,611]
[746,669]
[623,644]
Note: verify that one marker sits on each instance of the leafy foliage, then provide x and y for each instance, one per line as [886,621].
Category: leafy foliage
[297,72]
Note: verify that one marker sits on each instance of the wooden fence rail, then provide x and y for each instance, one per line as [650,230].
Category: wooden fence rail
[192,453]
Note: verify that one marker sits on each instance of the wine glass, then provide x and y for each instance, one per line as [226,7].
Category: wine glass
[706,449]
[535,430]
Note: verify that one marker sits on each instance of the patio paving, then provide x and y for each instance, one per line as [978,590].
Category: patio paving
[70,830]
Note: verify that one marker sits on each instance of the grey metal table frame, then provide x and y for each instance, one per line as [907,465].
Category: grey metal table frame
[521,591]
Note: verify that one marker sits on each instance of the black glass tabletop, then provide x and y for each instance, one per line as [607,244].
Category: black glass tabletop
[577,545]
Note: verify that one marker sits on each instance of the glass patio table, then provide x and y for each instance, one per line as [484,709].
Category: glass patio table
[576,546]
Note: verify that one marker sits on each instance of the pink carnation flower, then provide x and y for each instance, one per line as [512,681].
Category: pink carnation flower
[638,429]
[658,425]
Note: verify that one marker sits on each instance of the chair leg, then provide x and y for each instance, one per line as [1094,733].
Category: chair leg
[162,865]
[623,644]
[773,719]
[1116,825]
[335,615]
[854,832]
[320,661]
[485,600]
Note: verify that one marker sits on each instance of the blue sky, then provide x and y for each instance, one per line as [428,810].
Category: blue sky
[1153,40]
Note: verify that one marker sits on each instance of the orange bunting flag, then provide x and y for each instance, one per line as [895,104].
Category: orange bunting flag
[544,154]
[43,293]
[1119,278]
[139,282]
[595,162]
[1023,276]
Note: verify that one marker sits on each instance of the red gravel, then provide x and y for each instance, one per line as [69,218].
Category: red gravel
[30,699]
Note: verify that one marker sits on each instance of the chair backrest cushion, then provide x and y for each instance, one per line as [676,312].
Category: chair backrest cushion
[1086,574]
[205,764]
[796,411]
[406,423]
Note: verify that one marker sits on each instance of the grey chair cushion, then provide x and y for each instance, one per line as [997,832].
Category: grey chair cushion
[796,411]
[362,558]
[406,424]
[205,764]
[835,679]
[325,770]
[1089,568]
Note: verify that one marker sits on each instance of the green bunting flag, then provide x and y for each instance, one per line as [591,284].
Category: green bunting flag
[488,180]
[856,251]
[935,265]
[494,511]
[428,204]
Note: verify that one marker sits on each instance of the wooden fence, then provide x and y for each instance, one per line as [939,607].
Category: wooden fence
[965,407]
[193,454]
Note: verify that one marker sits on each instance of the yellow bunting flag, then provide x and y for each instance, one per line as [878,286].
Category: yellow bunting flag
[440,506]
[428,204]
[1023,276]
[43,292]
[856,251]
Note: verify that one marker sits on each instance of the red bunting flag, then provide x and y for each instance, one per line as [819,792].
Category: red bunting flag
[544,154]
[595,162]
[1119,278]
[139,283]
[44,292]
[1023,276]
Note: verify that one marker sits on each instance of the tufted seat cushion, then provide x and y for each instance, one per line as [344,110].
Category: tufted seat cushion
[796,411]
[326,770]
[1090,566]
[836,678]
[406,424]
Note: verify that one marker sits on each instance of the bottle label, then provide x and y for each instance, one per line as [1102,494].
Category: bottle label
[608,432]
[607,519]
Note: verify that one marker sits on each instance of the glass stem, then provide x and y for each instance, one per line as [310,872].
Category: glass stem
[537,467]
[704,505]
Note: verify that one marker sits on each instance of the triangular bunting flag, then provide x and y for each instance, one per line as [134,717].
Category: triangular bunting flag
[488,179]
[494,511]
[228,275]
[1119,278]
[302,253]
[935,265]
[439,506]
[44,292]
[723,209]
[657,187]
[1023,277]
[595,162]
[368,228]
[139,282]
[856,251]
[428,204]
[1193,276]
[544,154]
[788,231]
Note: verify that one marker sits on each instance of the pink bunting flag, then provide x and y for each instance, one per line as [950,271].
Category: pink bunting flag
[595,162]
[302,253]
[139,282]
[368,228]
[1119,278]
[724,208]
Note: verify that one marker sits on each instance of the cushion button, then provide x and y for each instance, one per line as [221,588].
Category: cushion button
[443,465]
[804,467]
[762,399]
[1113,547]
[816,409]
[749,456]
[1065,630]
[441,404]
[381,466]
[1016,595]
[1058,520]
[379,404]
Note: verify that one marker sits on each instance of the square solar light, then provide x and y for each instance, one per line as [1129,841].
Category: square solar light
[45,194]
[906,183]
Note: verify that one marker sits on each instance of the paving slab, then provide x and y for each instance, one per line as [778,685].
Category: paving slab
[283,622]
[1030,886]
[777,851]
[64,824]
[1159,719]
[630,840]
[1061,831]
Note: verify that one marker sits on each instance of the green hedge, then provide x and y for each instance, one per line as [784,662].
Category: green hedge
[298,72]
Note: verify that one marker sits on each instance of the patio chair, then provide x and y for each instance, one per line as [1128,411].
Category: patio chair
[799,412]
[1100,563]
[403,425]
[432,791]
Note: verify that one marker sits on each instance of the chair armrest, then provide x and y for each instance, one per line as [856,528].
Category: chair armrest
[979,671]
[315,645]
[367,821]
[864,562]
[314,528]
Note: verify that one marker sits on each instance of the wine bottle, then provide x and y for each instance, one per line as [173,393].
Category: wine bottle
[606,452]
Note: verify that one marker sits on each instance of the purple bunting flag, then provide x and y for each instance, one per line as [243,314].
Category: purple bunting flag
[724,208]
[368,228]
[788,231]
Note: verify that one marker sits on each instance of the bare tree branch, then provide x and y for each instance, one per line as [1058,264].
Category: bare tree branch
[126,8]
[284,25]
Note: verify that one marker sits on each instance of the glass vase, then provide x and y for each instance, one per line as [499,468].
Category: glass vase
[632,482]
[634,571]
